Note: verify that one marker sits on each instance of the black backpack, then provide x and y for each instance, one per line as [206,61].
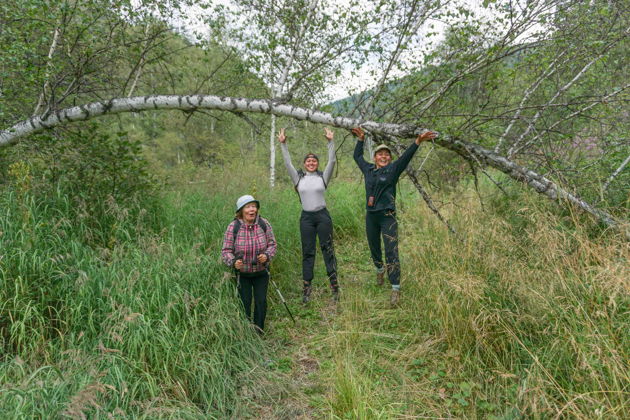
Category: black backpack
[238,223]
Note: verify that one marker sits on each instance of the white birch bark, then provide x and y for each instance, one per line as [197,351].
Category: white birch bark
[551,69]
[51,52]
[277,92]
[190,103]
[614,174]
[272,152]
[466,149]
[517,147]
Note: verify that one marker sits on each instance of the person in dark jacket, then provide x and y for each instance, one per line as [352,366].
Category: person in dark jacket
[248,246]
[381,178]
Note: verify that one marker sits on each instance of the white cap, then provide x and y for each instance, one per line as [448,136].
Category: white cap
[245,199]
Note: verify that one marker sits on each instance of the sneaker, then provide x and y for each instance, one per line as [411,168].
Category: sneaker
[306,294]
[380,277]
[395,299]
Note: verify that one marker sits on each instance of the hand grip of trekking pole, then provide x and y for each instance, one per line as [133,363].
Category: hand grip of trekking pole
[240,255]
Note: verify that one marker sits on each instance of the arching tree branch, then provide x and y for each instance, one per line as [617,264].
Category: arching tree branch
[466,149]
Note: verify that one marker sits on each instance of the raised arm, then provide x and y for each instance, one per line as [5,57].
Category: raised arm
[282,138]
[330,165]
[401,163]
[358,149]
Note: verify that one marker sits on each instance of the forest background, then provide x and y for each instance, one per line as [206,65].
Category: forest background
[113,301]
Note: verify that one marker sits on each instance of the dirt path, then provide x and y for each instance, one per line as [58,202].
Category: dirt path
[306,354]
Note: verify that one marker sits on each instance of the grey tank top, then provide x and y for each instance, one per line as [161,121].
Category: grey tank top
[311,187]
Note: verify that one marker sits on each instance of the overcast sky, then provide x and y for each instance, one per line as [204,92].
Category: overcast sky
[192,22]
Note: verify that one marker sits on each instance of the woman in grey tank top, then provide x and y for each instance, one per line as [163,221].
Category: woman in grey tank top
[315,221]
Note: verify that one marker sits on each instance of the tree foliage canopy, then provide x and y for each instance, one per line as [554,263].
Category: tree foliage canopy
[540,83]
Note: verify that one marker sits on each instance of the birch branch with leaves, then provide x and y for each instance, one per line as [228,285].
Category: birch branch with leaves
[464,148]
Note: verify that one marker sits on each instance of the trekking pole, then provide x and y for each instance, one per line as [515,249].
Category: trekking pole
[279,293]
[237,272]
[238,279]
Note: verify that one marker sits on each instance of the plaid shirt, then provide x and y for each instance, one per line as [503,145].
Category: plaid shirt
[251,241]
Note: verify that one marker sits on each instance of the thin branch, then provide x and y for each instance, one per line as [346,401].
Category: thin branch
[474,172]
[614,174]
[551,69]
[602,100]
[49,65]
[428,200]
[517,147]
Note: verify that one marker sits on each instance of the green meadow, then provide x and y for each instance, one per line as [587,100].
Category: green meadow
[129,128]
[524,313]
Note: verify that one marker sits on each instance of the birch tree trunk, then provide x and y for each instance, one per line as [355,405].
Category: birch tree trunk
[470,151]
[49,65]
[272,152]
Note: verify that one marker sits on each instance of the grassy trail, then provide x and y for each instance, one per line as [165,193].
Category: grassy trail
[342,360]
[488,328]
[526,317]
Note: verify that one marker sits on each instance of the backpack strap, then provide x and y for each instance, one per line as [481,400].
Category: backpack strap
[321,175]
[237,227]
[301,175]
[262,224]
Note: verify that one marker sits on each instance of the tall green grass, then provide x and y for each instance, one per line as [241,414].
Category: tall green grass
[133,317]
[145,327]
[524,315]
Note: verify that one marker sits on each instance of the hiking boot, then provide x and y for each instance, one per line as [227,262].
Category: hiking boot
[380,277]
[395,298]
[335,295]
[258,330]
[306,294]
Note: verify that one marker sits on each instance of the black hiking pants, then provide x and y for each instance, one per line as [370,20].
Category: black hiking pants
[383,223]
[314,224]
[256,284]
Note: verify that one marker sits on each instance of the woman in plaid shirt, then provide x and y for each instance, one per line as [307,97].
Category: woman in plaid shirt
[249,250]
